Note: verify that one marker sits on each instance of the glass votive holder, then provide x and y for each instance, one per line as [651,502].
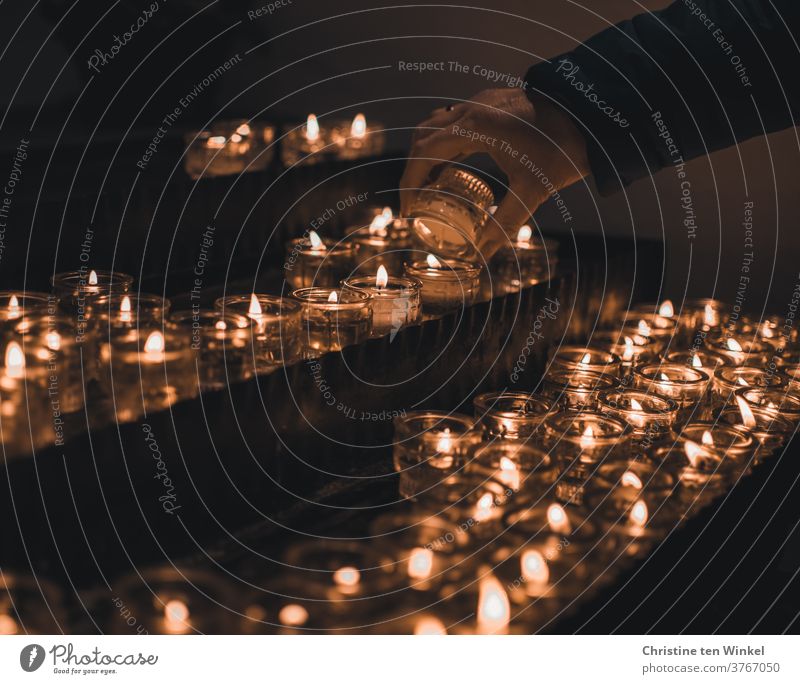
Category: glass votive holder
[222,343]
[634,477]
[735,441]
[576,357]
[772,399]
[662,329]
[447,284]
[577,389]
[515,464]
[15,305]
[702,359]
[741,351]
[481,606]
[769,430]
[450,213]
[312,261]
[77,290]
[276,334]
[356,139]
[702,314]
[122,312]
[29,605]
[229,147]
[396,300]
[632,350]
[699,467]
[510,415]
[386,242]
[309,143]
[729,379]
[428,446]
[686,386]
[650,416]
[147,370]
[332,319]
[170,600]
[527,261]
[585,436]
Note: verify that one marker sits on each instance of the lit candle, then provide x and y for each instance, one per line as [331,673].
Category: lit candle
[740,351]
[395,300]
[514,464]
[525,262]
[229,147]
[769,429]
[632,349]
[313,261]
[660,328]
[576,357]
[585,436]
[730,379]
[355,139]
[15,305]
[332,320]
[773,400]
[494,609]
[684,385]
[510,415]
[578,389]
[733,440]
[650,416]
[447,284]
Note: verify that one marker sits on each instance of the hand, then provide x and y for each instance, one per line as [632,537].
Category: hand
[511,128]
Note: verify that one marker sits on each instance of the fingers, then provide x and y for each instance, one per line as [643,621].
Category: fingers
[501,229]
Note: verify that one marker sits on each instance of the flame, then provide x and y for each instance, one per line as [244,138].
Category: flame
[433,262]
[333,298]
[663,376]
[766,331]
[125,309]
[378,225]
[176,614]
[587,438]
[534,567]
[429,626]
[220,325]
[493,209]
[244,129]
[358,129]
[53,340]
[696,362]
[13,307]
[445,443]
[315,240]
[748,418]
[509,473]
[639,514]
[483,509]
[693,452]
[630,479]
[154,344]
[636,405]
[15,360]
[8,625]
[627,355]
[420,563]
[709,315]
[733,345]
[293,615]
[557,519]
[236,138]
[524,235]
[255,306]
[347,576]
[387,213]
[216,141]
[586,359]
[666,309]
[382,277]
[312,128]
[707,439]
[494,609]
[643,328]
[742,381]
[92,277]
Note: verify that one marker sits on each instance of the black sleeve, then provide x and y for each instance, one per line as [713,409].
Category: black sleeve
[672,85]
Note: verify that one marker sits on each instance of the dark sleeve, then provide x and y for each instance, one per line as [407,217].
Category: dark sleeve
[701,74]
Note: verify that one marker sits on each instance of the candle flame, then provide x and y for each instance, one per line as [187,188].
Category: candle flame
[483,509]
[509,473]
[635,405]
[748,418]
[663,376]
[627,355]
[420,563]
[707,438]
[587,438]
[15,360]
[382,277]
[92,277]
[378,225]
[433,262]
[333,298]
[534,567]
[293,615]
[643,328]
[666,309]
[236,138]
[696,362]
[445,444]
[255,306]
[220,325]
[524,235]
[557,519]
[494,609]
[312,128]
[216,141]
[8,625]
[630,479]
[358,129]
[347,576]
[733,345]
[387,213]
[125,305]
[244,129]
[315,240]
[639,514]
[693,452]
[766,331]
[429,626]
[53,340]
[586,359]
[709,315]
[154,344]
[176,614]
[742,381]
[13,305]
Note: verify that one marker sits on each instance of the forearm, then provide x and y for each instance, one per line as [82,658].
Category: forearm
[705,73]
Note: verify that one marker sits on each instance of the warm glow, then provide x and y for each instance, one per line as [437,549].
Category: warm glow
[666,309]
[387,213]
[420,563]
[557,519]
[587,438]
[509,473]
[244,129]
[635,405]
[315,240]
[236,138]
[709,316]
[494,609]
[445,443]
[663,376]
[694,452]
[429,626]
[766,331]
[639,514]
[643,328]
[358,129]
[433,262]
[92,277]
[586,359]
[176,614]
[630,479]
[733,345]
[125,310]
[534,567]
[255,306]
[347,576]
[333,298]
[742,381]
[217,141]
[707,439]
[13,307]
[293,615]
[696,362]
[378,225]
[524,235]
[627,355]
[382,277]
[483,509]
[53,340]
[15,360]
[220,325]
[748,419]
[154,344]
[8,625]
[312,128]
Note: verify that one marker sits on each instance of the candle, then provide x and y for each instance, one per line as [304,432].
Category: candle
[650,416]
[684,385]
[312,261]
[740,351]
[515,464]
[493,614]
[729,379]
[277,327]
[229,147]
[510,415]
[15,305]
[576,357]
[395,300]
[733,440]
[356,139]
[632,350]
[447,284]
[770,430]
[702,359]
[660,328]
[525,262]
[585,436]
[773,400]
[450,213]
[332,320]
[576,389]
[309,143]
[385,241]
[78,290]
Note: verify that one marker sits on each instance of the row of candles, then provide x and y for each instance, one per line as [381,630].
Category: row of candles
[532,502]
[239,146]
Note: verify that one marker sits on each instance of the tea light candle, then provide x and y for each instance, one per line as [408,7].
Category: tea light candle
[223,345]
[277,327]
[585,436]
[770,430]
[742,352]
[229,147]
[735,441]
[356,139]
[510,415]
[515,464]
[637,523]
[525,262]
[15,305]
[447,284]
[573,357]
[147,370]
[632,350]
[729,379]
[682,384]
[650,416]
[576,389]
[635,478]
[386,241]
[78,290]
[312,261]
[395,300]
[771,399]
[698,467]
[310,143]
[332,319]
[702,359]
[660,328]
